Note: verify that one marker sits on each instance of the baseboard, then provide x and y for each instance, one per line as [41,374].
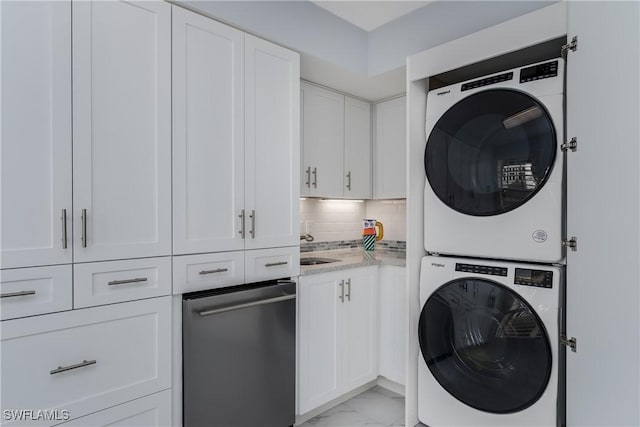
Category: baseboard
[391,385]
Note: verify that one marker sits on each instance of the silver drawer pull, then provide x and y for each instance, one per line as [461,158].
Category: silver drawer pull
[273,264]
[17,294]
[63,217]
[83,236]
[247,305]
[217,270]
[124,282]
[70,367]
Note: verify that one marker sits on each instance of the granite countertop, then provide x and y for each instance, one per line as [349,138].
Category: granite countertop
[351,258]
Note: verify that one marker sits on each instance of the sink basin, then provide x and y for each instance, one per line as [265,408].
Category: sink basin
[316,261]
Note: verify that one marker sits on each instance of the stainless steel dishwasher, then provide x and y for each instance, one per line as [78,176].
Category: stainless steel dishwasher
[239,356]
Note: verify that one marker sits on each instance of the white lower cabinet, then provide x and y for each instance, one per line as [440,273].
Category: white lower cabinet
[83,361]
[98,283]
[393,323]
[37,290]
[149,411]
[207,271]
[337,334]
[268,264]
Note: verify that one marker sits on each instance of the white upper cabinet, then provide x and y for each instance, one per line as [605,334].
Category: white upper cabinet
[336,145]
[208,134]
[389,176]
[121,130]
[357,149]
[36,133]
[323,142]
[272,145]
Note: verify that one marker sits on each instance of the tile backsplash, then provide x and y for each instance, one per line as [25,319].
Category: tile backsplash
[341,220]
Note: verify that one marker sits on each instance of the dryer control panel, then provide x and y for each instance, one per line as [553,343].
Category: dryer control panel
[540,71]
[537,278]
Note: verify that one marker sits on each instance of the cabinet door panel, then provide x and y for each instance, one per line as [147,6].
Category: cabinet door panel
[360,328]
[122,129]
[320,340]
[272,145]
[208,134]
[357,149]
[603,207]
[323,139]
[36,132]
[390,150]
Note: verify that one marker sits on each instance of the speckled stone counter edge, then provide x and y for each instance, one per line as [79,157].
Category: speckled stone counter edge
[352,258]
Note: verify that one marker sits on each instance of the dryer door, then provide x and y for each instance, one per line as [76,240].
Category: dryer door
[485,345]
[490,152]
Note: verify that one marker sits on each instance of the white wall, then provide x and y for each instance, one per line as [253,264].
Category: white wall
[437,23]
[332,220]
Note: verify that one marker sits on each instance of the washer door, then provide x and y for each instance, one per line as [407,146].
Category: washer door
[485,345]
[490,152]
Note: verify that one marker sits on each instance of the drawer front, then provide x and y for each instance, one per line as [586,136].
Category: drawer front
[37,290]
[99,283]
[149,411]
[209,271]
[267,264]
[83,361]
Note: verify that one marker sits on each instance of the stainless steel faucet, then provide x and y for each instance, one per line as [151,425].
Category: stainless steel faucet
[306,236]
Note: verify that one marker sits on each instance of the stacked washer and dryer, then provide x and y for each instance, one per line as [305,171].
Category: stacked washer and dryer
[491,288]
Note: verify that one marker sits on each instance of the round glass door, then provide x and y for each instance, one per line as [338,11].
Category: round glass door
[485,345]
[490,152]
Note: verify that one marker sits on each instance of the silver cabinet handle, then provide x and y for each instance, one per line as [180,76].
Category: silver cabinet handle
[242,230]
[315,177]
[247,305]
[17,294]
[349,180]
[341,284]
[64,228]
[273,264]
[308,183]
[253,224]
[83,237]
[124,282]
[348,290]
[217,270]
[70,367]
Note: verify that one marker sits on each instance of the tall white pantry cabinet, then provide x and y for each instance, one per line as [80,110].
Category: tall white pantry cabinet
[87,248]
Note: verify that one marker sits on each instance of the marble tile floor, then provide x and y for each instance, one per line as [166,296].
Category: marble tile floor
[376,407]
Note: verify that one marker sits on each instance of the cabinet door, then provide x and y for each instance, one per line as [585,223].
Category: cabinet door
[603,106]
[121,129]
[393,324]
[208,134]
[272,145]
[323,141]
[360,328]
[320,340]
[390,150]
[36,133]
[357,149]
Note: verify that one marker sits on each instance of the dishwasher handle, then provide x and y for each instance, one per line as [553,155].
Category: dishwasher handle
[247,305]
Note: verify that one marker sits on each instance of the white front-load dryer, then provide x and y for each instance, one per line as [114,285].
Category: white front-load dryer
[494,166]
[488,335]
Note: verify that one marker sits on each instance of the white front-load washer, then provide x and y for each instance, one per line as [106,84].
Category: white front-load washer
[494,166]
[489,341]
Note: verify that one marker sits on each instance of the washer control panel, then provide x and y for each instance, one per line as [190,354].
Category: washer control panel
[481,269]
[537,278]
[540,71]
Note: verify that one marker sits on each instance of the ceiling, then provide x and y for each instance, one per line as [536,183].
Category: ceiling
[370,15]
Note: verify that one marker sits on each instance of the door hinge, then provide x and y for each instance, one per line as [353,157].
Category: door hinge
[572,342]
[572,145]
[571,243]
[571,46]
